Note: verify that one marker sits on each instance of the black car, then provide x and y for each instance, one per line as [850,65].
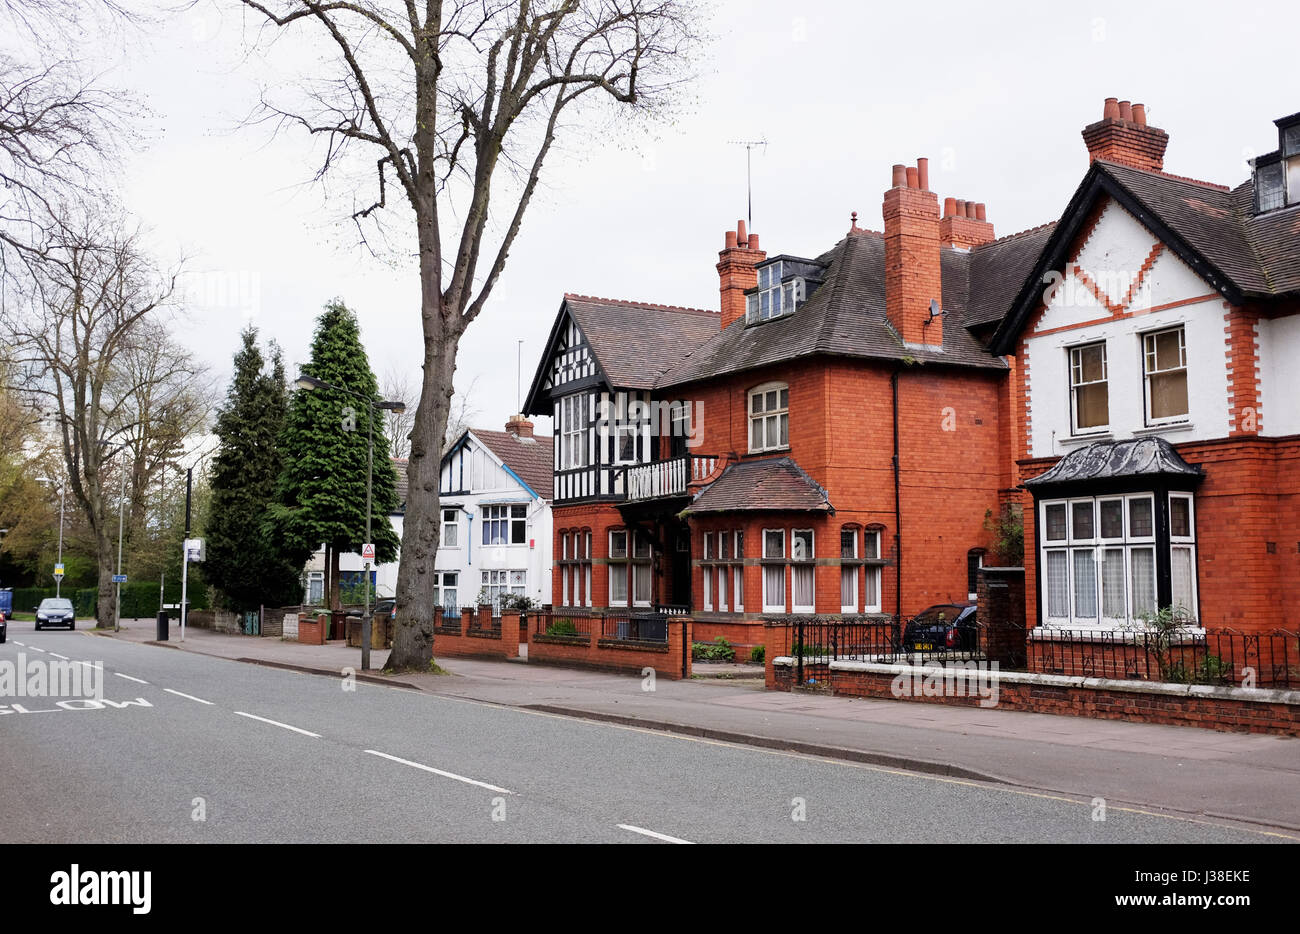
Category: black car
[55,611]
[945,627]
[388,607]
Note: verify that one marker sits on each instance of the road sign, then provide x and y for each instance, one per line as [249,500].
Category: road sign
[194,550]
[58,570]
[119,578]
[368,552]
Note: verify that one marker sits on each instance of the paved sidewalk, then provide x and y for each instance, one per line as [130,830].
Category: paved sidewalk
[1232,775]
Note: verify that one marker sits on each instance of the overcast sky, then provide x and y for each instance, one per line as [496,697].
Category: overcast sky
[994,94]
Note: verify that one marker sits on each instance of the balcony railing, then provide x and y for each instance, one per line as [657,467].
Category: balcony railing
[668,478]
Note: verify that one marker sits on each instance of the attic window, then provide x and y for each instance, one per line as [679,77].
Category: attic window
[1270,186]
[773,298]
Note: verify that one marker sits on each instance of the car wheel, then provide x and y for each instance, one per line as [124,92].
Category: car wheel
[72,625]
[38,626]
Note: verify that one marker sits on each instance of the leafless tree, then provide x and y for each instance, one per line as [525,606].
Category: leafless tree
[59,129]
[91,349]
[457,105]
[398,386]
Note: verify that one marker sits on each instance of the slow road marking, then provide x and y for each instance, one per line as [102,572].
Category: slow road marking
[189,697]
[285,726]
[452,775]
[651,833]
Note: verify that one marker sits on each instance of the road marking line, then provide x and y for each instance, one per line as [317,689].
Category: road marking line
[23,644]
[278,723]
[451,775]
[650,833]
[34,648]
[57,655]
[189,697]
[129,678]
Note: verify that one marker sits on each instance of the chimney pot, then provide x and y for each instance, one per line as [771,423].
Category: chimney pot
[1110,111]
[961,208]
[1124,136]
[970,209]
[923,173]
[741,239]
[519,426]
[1126,111]
[753,241]
[949,207]
[912,181]
[980,213]
[900,177]
[1140,114]
[731,240]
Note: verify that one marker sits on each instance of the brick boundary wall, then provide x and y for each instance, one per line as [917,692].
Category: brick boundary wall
[671,661]
[1241,710]
[475,634]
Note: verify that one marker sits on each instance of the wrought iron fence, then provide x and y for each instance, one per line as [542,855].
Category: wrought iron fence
[637,627]
[1215,657]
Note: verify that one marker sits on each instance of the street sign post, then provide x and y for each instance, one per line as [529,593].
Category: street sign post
[368,553]
[119,578]
[58,571]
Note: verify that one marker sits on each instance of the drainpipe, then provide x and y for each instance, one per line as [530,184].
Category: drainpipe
[898,515]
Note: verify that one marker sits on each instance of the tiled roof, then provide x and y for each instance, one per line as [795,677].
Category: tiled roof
[769,485]
[1212,229]
[530,458]
[636,341]
[846,315]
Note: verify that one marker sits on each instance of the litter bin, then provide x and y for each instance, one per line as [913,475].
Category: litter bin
[162,626]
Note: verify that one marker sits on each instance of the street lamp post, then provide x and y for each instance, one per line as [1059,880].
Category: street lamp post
[63,495]
[117,585]
[312,383]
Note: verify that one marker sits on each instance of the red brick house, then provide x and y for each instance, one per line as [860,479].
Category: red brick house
[830,439]
[1157,391]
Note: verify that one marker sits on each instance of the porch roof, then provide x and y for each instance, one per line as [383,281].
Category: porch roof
[773,484]
[1150,458]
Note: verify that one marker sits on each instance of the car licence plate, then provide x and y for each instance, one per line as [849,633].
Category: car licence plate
[923,647]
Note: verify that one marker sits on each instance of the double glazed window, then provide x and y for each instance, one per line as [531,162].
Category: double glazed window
[1164,381]
[445,593]
[573,431]
[450,528]
[1089,389]
[855,564]
[497,585]
[774,571]
[575,568]
[505,525]
[1099,555]
[723,571]
[773,298]
[1164,366]
[769,418]
[630,570]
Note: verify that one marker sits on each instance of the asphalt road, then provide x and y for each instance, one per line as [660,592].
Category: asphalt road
[207,750]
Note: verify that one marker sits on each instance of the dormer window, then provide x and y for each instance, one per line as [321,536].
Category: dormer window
[1270,185]
[784,283]
[773,298]
[1277,174]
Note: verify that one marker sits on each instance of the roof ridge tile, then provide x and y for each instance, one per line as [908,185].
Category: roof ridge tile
[628,303]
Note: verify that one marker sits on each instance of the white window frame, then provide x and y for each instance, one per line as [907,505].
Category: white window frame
[1148,358]
[873,574]
[768,605]
[574,436]
[851,569]
[454,525]
[1129,542]
[781,414]
[1071,368]
[738,572]
[1184,543]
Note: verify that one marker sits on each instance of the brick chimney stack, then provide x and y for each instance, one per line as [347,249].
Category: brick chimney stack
[964,224]
[736,272]
[519,426]
[1122,135]
[912,277]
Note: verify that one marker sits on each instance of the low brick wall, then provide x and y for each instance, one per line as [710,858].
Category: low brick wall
[312,629]
[743,634]
[476,635]
[671,660]
[1245,710]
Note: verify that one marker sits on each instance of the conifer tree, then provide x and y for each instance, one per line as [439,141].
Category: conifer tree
[245,560]
[321,495]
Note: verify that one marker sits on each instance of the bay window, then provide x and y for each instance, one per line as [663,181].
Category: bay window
[848,570]
[1100,557]
[631,568]
[871,571]
[802,571]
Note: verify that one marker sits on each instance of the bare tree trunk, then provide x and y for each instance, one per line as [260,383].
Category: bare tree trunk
[416,582]
[336,600]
